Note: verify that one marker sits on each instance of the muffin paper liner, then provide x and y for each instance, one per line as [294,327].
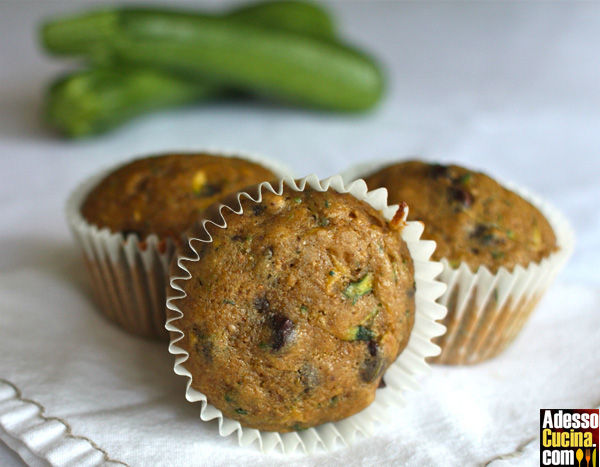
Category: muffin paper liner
[486,311]
[129,276]
[401,375]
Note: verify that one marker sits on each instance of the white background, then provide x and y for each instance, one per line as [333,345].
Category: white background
[510,88]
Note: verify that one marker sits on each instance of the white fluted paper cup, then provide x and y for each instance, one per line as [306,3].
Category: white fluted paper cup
[129,275]
[401,375]
[486,310]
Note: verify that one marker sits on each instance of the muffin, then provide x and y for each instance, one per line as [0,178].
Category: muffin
[130,221]
[471,217]
[164,195]
[489,232]
[296,309]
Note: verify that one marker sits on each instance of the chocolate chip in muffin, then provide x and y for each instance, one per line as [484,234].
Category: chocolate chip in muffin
[460,195]
[373,348]
[372,368]
[258,209]
[438,170]
[283,331]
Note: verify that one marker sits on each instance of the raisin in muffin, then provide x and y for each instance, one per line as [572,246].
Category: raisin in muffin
[477,222]
[164,195]
[295,309]
[472,218]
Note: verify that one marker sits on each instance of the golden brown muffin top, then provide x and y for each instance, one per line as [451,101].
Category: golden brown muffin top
[296,309]
[471,216]
[164,195]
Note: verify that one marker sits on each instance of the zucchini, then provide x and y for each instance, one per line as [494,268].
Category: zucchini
[96,100]
[300,17]
[83,33]
[360,333]
[293,68]
[361,287]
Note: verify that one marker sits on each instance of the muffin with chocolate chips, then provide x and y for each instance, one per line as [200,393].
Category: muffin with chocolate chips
[472,218]
[164,195]
[296,309]
[476,222]
[130,222]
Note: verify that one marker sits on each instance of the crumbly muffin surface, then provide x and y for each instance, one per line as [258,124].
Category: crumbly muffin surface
[296,309]
[471,217]
[164,195]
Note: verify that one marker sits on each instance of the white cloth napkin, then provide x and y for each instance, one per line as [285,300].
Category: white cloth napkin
[75,390]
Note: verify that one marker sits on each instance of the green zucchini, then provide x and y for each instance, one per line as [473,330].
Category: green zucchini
[84,33]
[301,17]
[228,52]
[96,100]
[360,333]
[92,101]
[361,287]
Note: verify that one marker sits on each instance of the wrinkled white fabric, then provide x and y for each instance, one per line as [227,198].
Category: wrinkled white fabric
[508,88]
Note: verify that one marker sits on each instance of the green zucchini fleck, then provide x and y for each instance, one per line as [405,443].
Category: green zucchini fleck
[297,200]
[241,411]
[357,289]
[298,427]
[360,333]
[466,178]
[497,254]
[303,309]
[228,302]
[488,238]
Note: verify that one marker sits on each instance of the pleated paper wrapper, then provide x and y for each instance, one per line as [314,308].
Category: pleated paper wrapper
[129,276]
[486,311]
[400,376]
